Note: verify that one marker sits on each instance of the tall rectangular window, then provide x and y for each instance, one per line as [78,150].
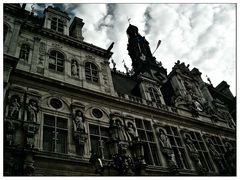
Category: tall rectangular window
[57,25]
[55,134]
[203,153]
[146,135]
[177,146]
[91,72]
[98,138]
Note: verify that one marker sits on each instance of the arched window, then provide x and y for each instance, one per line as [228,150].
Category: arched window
[91,72]
[56,61]
[57,25]
[155,97]
[24,52]
[5,32]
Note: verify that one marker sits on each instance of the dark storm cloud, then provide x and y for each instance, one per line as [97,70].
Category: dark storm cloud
[202,35]
[108,20]
[147,18]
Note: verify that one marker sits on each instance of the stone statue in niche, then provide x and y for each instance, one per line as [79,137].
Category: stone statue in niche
[117,131]
[194,153]
[122,136]
[79,122]
[14,107]
[215,154]
[167,150]
[164,141]
[32,111]
[131,132]
[74,69]
[190,146]
[212,148]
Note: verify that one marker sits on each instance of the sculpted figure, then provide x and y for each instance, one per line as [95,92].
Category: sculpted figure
[121,131]
[131,131]
[79,122]
[32,110]
[164,139]
[14,108]
[74,68]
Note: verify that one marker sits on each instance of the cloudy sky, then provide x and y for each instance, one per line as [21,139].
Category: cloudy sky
[202,35]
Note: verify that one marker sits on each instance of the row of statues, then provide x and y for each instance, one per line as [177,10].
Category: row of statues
[120,132]
[31,108]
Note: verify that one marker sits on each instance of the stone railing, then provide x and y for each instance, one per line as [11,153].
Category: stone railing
[148,103]
[173,110]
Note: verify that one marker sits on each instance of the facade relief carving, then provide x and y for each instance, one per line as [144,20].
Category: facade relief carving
[125,148]
[79,127]
[216,156]
[194,154]
[13,113]
[166,149]
[42,53]
[230,157]
[74,68]
[31,125]
[32,111]
[14,107]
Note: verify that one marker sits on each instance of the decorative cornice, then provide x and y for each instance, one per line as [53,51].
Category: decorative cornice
[67,40]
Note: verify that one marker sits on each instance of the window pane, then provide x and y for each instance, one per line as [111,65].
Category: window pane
[147,154]
[139,123]
[94,143]
[59,69]
[155,154]
[178,158]
[172,140]
[93,129]
[61,145]
[150,136]
[49,120]
[178,140]
[147,125]
[104,131]
[91,72]
[175,132]
[106,152]
[142,135]
[182,155]
[52,66]
[168,129]
[61,122]
[48,135]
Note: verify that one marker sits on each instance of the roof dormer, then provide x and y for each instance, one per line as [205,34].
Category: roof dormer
[56,20]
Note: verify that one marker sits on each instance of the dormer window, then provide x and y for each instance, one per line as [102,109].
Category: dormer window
[57,25]
[155,97]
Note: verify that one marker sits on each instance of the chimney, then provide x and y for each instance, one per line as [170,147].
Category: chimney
[76,28]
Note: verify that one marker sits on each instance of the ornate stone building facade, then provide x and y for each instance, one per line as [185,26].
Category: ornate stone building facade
[67,113]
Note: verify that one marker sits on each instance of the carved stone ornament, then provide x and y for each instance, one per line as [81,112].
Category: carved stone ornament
[28,166]
[30,129]
[10,127]
[79,133]
[126,150]
[166,149]
[194,154]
